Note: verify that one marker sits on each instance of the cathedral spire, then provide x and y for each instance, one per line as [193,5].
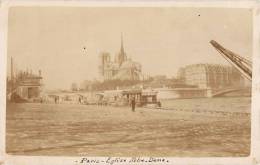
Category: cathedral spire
[121,57]
[122,45]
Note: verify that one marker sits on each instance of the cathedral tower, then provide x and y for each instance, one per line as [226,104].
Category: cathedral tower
[121,57]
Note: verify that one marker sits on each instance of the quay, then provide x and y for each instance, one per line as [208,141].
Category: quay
[74,129]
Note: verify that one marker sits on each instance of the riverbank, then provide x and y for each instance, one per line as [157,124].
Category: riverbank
[77,130]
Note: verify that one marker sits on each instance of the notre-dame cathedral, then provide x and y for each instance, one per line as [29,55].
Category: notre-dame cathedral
[122,68]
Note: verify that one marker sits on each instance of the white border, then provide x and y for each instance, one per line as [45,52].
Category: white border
[255,110]
[254,157]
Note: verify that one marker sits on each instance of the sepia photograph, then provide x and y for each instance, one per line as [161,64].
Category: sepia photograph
[129,81]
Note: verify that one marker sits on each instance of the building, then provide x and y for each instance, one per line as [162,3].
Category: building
[24,86]
[122,68]
[27,86]
[211,76]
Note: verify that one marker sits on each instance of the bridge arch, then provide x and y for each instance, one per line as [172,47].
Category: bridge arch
[222,92]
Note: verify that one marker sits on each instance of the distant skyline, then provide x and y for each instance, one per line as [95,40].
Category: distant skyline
[162,39]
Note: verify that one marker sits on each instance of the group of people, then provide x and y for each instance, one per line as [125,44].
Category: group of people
[81,100]
[133,104]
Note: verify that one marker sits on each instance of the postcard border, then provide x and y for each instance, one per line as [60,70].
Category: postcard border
[254,157]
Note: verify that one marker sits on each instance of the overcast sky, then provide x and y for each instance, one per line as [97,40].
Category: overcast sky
[161,39]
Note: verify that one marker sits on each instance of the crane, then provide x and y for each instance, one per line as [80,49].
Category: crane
[243,65]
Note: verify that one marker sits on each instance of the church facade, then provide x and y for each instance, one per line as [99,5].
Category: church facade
[121,68]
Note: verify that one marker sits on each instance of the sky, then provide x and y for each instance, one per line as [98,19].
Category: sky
[162,39]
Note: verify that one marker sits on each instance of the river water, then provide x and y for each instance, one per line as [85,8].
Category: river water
[229,104]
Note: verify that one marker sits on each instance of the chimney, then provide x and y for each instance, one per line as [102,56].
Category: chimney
[40,73]
[12,69]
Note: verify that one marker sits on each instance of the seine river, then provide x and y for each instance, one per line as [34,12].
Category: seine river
[230,104]
[89,130]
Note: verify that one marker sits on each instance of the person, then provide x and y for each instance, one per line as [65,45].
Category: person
[79,100]
[133,104]
[159,104]
[57,99]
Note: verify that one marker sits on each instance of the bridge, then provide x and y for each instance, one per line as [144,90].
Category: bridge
[221,92]
[243,65]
